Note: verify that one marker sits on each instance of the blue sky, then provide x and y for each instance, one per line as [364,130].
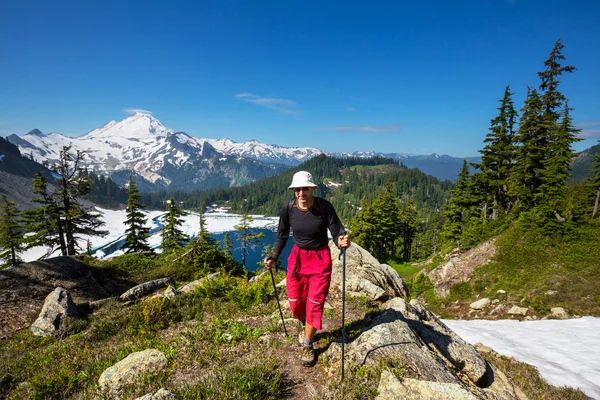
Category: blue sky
[394,76]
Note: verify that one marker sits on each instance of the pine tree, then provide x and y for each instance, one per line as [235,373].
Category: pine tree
[526,175]
[460,202]
[11,232]
[408,222]
[378,227]
[44,224]
[594,183]
[247,238]
[137,231]
[228,245]
[553,190]
[71,185]
[498,155]
[559,136]
[172,236]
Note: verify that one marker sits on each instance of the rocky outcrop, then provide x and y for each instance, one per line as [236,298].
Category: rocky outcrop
[364,274]
[23,288]
[57,307]
[131,369]
[143,289]
[459,267]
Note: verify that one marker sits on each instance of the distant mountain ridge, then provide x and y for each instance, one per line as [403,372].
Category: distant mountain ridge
[160,158]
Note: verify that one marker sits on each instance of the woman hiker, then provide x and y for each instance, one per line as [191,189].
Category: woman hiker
[309,264]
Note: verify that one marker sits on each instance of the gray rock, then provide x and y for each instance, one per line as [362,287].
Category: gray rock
[559,312]
[256,278]
[190,287]
[480,304]
[130,369]
[458,268]
[160,394]
[391,388]
[283,283]
[141,290]
[57,306]
[390,337]
[364,286]
[499,309]
[362,267]
[516,310]
[501,291]
[462,355]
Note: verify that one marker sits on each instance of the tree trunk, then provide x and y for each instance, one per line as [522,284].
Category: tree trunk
[596,203]
[61,237]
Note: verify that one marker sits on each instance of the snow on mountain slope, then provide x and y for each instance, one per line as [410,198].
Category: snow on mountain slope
[265,152]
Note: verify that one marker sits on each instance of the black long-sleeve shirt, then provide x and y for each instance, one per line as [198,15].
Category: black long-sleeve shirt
[309,226]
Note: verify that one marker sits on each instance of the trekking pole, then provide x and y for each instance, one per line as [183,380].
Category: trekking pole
[343,306]
[277,300]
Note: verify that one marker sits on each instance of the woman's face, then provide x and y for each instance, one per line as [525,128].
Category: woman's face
[304,193]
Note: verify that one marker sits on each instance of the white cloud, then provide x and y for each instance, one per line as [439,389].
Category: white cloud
[362,128]
[134,110]
[593,133]
[282,106]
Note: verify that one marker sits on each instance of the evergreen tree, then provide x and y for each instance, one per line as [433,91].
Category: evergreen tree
[526,176]
[408,222]
[553,189]
[247,238]
[378,227]
[559,136]
[172,236]
[498,155]
[11,232]
[227,245]
[71,185]
[44,224]
[203,233]
[460,202]
[137,231]
[594,183]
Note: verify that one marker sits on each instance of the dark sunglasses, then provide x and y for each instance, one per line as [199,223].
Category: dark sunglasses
[302,189]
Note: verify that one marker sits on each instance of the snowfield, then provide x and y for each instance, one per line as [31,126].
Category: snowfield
[567,353]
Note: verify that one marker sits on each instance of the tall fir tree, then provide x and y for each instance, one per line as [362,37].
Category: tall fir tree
[498,155]
[559,135]
[172,236]
[44,223]
[526,175]
[227,245]
[71,185]
[137,232]
[247,238]
[459,205]
[554,183]
[11,232]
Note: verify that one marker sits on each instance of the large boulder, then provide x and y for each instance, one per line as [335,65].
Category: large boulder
[459,267]
[143,289]
[57,307]
[131,369]
[438,337]
[364,274]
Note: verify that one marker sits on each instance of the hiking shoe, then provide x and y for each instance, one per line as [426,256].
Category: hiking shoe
[307,355]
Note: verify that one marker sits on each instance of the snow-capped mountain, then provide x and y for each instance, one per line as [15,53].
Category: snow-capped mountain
[265,152]
[142,145]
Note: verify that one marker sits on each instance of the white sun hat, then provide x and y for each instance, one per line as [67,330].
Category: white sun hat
[302,179]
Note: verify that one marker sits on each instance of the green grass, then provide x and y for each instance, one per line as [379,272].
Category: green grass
[528,265]
[528,379]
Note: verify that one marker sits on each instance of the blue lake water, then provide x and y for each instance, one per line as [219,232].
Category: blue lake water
[255,256]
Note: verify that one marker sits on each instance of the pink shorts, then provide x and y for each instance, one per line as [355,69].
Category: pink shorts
[307,280]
